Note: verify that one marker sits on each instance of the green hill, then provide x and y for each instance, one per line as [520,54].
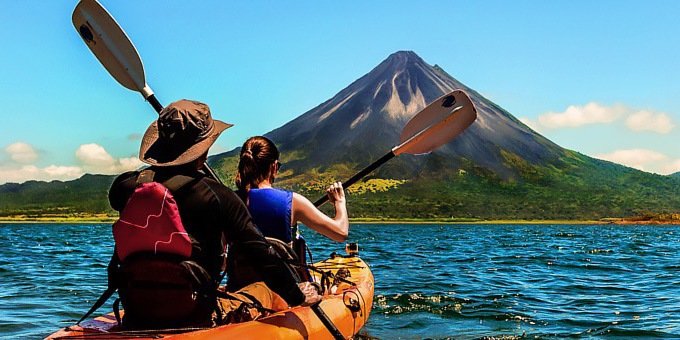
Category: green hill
[88,194]
[580,188]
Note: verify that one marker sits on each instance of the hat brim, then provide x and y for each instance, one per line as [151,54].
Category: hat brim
[153,152]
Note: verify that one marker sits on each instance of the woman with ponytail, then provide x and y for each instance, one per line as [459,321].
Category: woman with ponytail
[276,211]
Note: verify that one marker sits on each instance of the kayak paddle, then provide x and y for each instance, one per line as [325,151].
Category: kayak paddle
[326,321]
[109,43]
[432,127]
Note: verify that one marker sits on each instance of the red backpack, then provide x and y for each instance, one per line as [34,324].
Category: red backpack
[159,286]
[150,221]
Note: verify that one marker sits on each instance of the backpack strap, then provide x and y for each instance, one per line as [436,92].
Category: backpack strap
[255,303]
[145,176]
[174,183]
[112,286]
[116,311]
[105,296]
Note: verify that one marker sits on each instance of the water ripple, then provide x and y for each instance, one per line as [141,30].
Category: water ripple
[432,281]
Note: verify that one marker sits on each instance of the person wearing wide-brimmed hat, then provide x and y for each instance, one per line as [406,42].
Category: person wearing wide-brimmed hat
[177,144]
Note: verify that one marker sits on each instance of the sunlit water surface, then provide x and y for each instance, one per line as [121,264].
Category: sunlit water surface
[432,281]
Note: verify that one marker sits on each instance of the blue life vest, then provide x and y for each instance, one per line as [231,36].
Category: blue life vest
[271,210]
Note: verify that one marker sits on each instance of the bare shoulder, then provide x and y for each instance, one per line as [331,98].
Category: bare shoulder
[301,202]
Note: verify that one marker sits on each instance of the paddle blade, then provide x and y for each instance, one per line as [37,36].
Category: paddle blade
[110,44]
[437,124]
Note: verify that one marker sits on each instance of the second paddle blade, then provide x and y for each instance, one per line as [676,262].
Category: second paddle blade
[437,124]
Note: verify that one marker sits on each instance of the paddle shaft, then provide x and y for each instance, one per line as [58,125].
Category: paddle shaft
[158,107]
[316,308]
[359,175]
[154,103]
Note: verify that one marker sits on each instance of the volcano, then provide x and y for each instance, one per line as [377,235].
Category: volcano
[364,120]
[498,167]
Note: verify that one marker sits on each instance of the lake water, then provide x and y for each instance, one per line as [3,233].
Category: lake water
[432,281]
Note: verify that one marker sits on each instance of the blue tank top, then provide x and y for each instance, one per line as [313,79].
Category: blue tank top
[271,211]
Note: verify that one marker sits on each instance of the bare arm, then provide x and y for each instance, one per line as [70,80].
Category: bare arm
[336,228]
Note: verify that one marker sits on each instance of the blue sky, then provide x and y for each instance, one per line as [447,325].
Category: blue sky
[598,77]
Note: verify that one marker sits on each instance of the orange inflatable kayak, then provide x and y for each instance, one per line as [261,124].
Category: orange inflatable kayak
[347,305]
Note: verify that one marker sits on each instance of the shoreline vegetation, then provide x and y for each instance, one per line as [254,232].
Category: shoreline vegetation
[645,219]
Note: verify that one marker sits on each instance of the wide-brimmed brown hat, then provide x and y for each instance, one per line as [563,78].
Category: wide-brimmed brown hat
[183,132]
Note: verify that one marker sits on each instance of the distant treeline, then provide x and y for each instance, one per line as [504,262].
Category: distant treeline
[590,192]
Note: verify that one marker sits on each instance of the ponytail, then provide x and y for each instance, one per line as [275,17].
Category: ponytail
[257,155]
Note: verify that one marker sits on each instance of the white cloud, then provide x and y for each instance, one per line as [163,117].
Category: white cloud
[95,159]
[575,116]
[643,159]
[56,171]
[22,153]
[595,113]
[23,173]
[130,163]
[672,167]
[534,125]
[20,167]
[94,155]
[645,120]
